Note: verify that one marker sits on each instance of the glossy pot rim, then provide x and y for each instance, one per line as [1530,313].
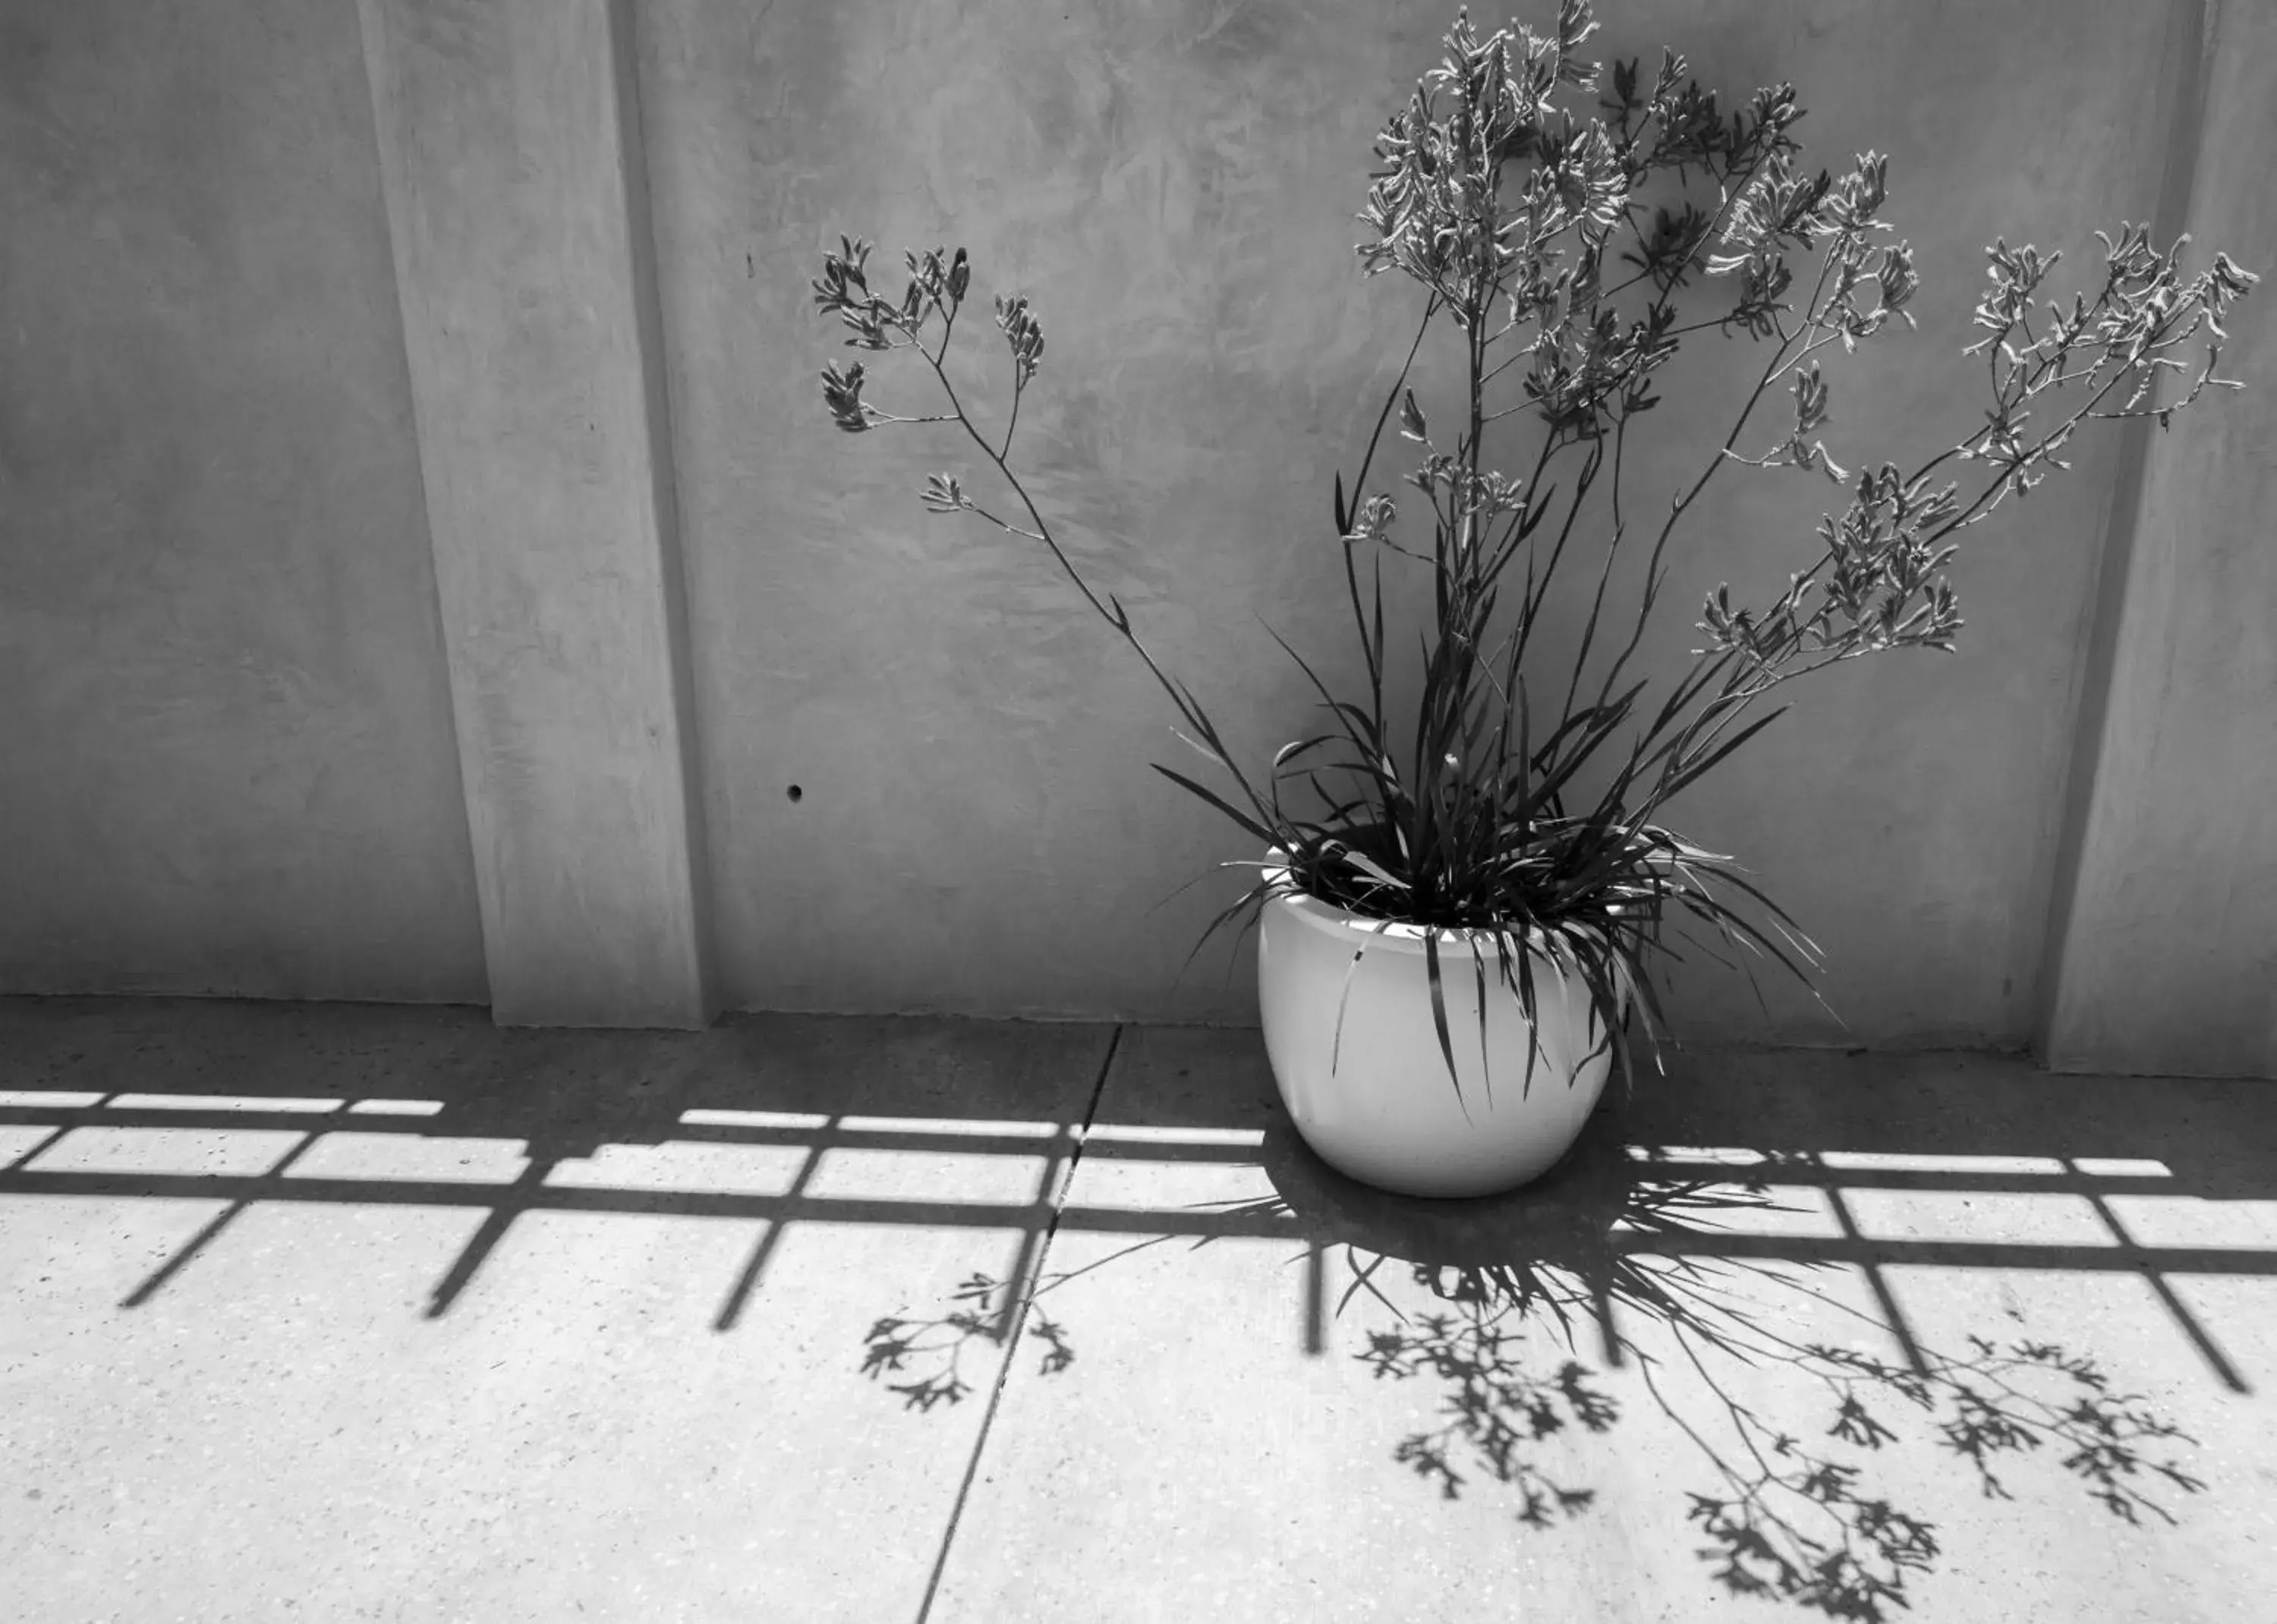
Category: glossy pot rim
[1400,935]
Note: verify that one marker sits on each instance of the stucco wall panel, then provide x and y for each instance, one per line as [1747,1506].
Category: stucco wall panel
[228,749]
[2166,959]
[1173,185]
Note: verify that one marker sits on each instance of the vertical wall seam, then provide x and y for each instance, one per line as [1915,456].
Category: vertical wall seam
[2191,43]
[490,911]
[664,479]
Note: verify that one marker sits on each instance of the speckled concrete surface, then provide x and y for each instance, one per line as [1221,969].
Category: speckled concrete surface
[351,1312]
[332,1312]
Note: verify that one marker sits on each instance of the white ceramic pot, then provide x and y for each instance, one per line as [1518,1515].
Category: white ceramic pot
[1376,1101]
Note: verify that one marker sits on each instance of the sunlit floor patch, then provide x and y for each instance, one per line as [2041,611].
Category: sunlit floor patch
[78,1255]
[2054,1219]
[2194,1222]
[219,1152]
[1914,1161]
[681,1165]
[265,1105]
[949,1127]
[19,1140]
[800,1121]
[854,1173]
[412,1159]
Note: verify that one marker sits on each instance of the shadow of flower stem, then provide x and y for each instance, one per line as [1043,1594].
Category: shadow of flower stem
[936,1346]
[1496,1410]
[1790,1519]
[932,1351]
[1796,1521]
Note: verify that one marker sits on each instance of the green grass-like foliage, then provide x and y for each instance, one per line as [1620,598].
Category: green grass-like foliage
[1513,187]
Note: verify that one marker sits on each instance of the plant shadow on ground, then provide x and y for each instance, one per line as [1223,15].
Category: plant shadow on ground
[1681,1267]
[931,1352]
[1784,1507]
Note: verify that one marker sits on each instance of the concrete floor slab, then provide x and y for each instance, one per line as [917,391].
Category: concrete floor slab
[580,1341]
[1862,1337]
[341,1312]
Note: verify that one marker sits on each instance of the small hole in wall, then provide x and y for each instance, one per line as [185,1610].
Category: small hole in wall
[796,794]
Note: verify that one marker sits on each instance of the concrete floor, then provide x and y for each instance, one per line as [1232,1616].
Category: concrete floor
[352,1312]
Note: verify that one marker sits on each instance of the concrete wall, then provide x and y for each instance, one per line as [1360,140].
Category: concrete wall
[2167,943]
[888,752]
[225,746]
[1174,186]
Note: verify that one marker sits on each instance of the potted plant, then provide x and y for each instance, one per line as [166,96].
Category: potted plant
[1460,906]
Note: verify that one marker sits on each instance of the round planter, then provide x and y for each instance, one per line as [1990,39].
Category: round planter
[1376,1101]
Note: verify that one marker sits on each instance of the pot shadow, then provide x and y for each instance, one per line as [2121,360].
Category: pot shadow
[1784,1507]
